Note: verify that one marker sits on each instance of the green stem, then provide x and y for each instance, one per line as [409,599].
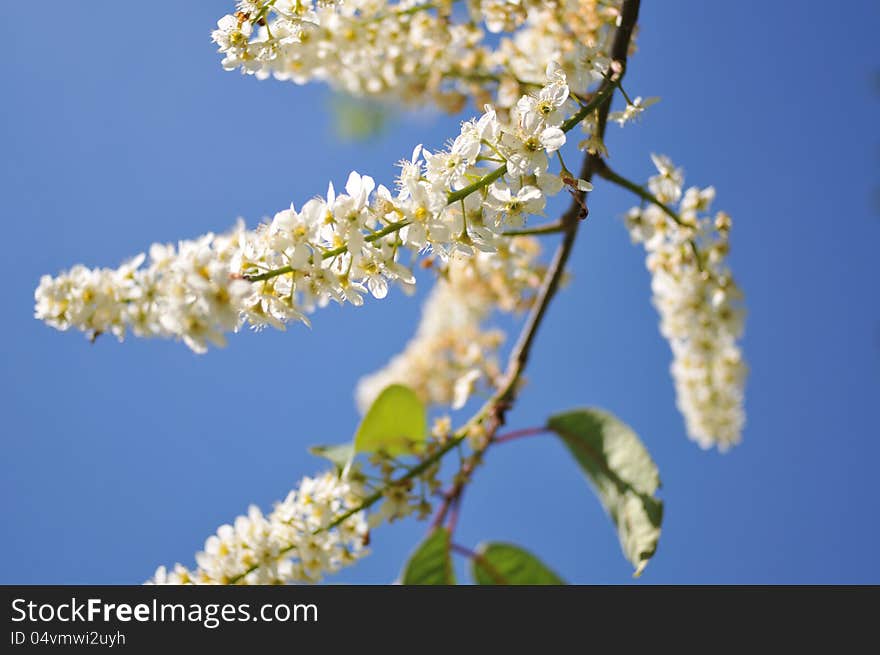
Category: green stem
[378,234]
[602,94]
[604,171]
[550,228]
[264,10]
[268,275]
[484,181]
[327,254]
[625,95]
[418,469]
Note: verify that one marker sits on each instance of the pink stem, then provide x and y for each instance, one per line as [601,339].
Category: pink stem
[519,434]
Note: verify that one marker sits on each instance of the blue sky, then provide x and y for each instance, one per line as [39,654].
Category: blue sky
[120,128]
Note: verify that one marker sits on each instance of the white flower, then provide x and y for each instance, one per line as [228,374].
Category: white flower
[233,37]
[410,172]
[550,184]
[596,61]
[548,104]
[487,128]
[667,185]
[632,111]
[464,387]
[640,229]
[512,209]
[526,148]
[446,169]
[423,211]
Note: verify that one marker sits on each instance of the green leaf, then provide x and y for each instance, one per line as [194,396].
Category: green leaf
[340,454]
[395,424]
[431,563]
[623,474]
[505,564]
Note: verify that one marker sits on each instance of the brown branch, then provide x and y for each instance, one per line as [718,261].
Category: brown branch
[501,402]
[570,219]
[452,498]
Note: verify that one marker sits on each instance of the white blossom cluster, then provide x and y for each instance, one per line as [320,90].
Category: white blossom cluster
[419,50]
[340,247]
[451,353]
[184,291]
[294,543]
[700,305]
